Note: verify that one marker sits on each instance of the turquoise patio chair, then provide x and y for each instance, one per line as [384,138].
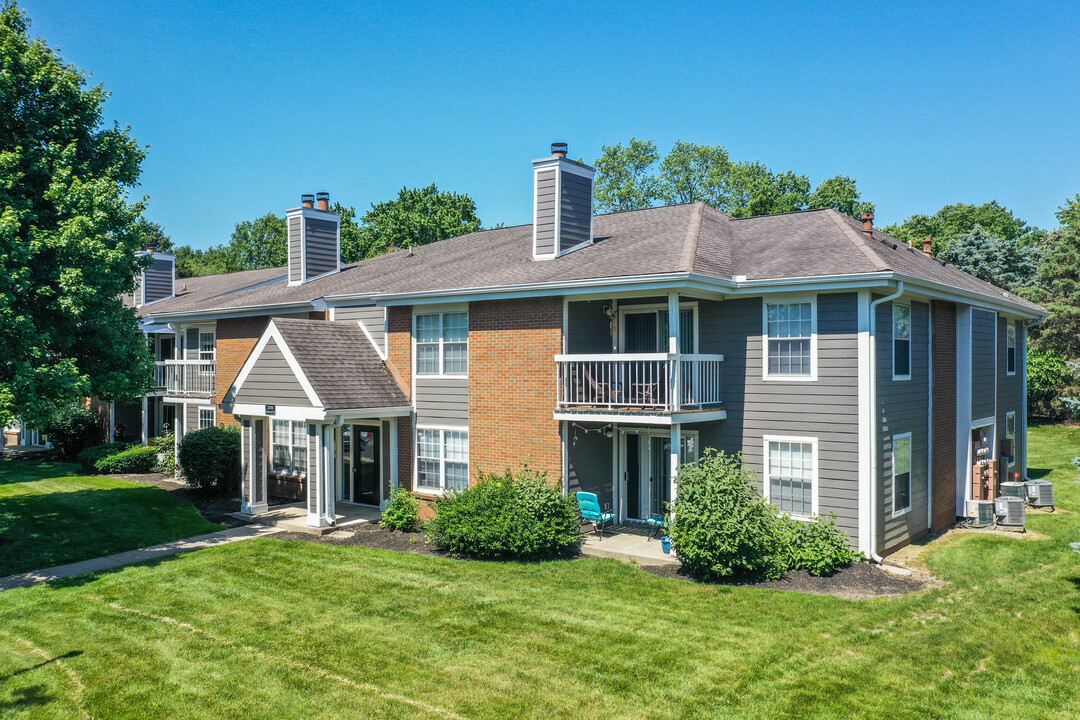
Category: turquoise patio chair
[657,523]
[589,505]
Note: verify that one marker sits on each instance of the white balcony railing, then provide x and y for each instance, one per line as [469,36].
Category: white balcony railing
[659,382]
[186,377]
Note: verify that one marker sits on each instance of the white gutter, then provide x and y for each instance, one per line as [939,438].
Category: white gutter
[248,311]
[872,547]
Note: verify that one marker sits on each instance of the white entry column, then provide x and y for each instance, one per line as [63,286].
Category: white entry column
[320,489]
[676,445]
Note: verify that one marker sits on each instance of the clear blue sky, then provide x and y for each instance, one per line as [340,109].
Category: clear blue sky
[246,106]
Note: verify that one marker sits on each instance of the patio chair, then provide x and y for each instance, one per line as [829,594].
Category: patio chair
[656,523]
[589,505]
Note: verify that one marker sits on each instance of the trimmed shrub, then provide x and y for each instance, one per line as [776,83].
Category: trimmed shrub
[133,460]
[817,546]
[72,429]
[402,511]
[165,446]
[89,457]
[721,527]
[210,459]
[510,516]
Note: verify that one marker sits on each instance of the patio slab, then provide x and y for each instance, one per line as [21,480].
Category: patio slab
[629,544]
[293,518]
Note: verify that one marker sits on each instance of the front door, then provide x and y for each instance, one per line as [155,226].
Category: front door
[360,467]
[647,471]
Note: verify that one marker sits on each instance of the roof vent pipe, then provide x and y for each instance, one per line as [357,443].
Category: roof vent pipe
[323,199]
[868,224]
[307,200]
[927,244]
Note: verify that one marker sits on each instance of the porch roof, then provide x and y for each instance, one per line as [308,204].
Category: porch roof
[340,363]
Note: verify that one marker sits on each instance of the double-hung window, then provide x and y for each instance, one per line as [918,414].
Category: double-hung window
[901,473]
[789,330]
[1010,433]
[442,459]
[288,448]
[206,418]
[1010,347]
[206,346]
[901,342]
[791,469]
[442,343]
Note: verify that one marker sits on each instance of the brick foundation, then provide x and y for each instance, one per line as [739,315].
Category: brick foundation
[943,463]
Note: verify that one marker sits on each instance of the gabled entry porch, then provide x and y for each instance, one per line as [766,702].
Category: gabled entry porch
[318,407]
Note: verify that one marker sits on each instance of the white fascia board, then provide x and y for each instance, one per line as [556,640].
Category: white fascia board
[948,292]
[233,312]
[282,412]
[371,413]
[643,418]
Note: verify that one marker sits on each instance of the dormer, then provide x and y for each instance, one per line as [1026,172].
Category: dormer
[314,239]
[158,280]
[563,204]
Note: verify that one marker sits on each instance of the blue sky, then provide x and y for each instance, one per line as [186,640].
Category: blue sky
[246,105]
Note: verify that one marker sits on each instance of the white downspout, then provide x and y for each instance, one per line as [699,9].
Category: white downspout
[873,419]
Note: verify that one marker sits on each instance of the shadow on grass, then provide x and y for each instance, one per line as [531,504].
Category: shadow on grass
[14,470]
[66,656]
[29,696]
[1036,473]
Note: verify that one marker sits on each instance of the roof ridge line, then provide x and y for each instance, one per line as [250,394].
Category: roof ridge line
[858,241]
[690,243]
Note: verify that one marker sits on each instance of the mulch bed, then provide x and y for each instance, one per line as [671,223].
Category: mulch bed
[214,509]
[372,536]
[857,582]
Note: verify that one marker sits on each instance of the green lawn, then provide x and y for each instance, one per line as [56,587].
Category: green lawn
[275,629]
[49,515]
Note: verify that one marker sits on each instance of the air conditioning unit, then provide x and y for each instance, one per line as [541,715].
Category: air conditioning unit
[1014,489]
[1010,511]
[981,512]
[1040,493]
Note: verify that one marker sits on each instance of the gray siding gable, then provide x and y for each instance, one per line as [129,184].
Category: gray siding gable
[271,381]
[372,317]
[983,362]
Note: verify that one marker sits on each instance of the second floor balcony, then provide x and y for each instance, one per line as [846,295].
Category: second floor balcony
[186,378]
[639,383]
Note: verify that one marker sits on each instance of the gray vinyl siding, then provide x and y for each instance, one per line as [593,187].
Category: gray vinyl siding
[384,460]
[588,329]
[576,211]
[295,243]
[271,381]
[191,344]
[903,406]
[1010,394]
[826,409]
[321,250]
[545,213]
[373,319]
[312,468]
[983,357]
[191,417]
[589,462]
[442,401]
[159,280]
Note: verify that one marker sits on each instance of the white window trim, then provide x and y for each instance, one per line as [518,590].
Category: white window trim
[1010,324]
[911,481]
[213,417]
[442,341]
[291,446]
[814,477]
[892,335]
[788,300]
[442,430]
[1011,414]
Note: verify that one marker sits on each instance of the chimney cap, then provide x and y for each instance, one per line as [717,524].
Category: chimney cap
[307,200]
[323,200]
[867,216]
[559,149]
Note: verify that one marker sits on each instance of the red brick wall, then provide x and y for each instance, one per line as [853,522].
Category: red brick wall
[399,347]
[512,384]
[943,462]
[236,338]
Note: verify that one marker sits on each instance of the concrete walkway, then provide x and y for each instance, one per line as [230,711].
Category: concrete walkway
[629,544]
[222,537]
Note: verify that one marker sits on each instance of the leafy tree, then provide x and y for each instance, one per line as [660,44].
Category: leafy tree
[259,243]
[68,235]
[191,262]
[417,216]
[1005,263]
[624,177]
[1069,213]
[694,173]
[952,221]
[153,236]
[840,193]
[1058,290]
[351,234]
[1048,378]
[754,190]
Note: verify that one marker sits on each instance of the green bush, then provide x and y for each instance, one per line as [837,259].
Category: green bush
[511,516]
[165,445]
[72,429]
[210,459]
[721,527]
[133,460]
[402,511]
[817,546]
[89,457]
